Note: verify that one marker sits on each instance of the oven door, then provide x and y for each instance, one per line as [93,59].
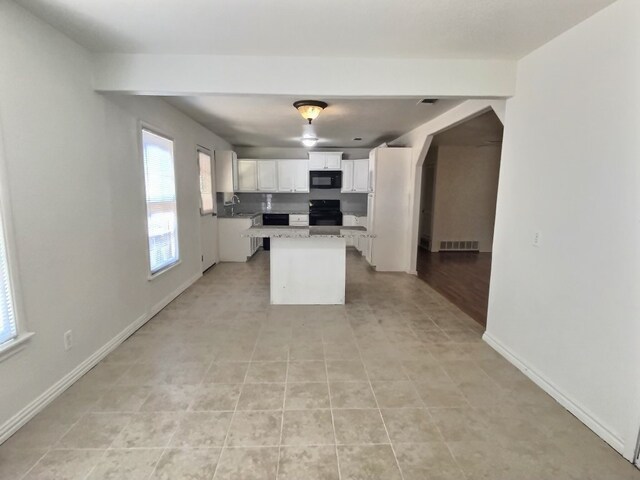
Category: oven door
[325,219]
[323,179]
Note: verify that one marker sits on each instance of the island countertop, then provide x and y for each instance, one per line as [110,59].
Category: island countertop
[286,231]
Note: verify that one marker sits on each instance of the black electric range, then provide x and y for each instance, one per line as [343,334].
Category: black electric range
[325,212]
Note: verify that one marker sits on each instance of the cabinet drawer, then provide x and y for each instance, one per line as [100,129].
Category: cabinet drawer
[299,218]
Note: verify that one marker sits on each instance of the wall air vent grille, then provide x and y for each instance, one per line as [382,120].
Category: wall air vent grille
[459,246]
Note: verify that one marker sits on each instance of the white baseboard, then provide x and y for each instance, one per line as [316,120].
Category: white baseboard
[548,386]
[36,406]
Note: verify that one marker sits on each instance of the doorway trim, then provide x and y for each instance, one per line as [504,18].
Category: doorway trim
[420,140]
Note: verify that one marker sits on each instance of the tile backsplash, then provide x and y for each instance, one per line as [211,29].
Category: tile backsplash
[293,202]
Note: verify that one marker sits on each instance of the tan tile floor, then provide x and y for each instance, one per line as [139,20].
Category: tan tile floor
[397,384]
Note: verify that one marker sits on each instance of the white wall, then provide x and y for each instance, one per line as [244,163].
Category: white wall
[569,311]
[360,77]
[419,140]
[466,187]
[76,188]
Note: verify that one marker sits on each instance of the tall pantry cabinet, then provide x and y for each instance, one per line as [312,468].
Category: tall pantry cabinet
[388,208]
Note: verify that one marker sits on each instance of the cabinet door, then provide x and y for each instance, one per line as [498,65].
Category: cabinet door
[267,176]
[286,175]
[360,175]
[317,161]
[333,161]
[301,180]
[349,221]
[247,176]
[347,176]
[224,171]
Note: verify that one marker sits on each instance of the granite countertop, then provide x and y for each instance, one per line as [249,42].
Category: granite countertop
[255,214]
[306,232]
[238,215]
[355,214]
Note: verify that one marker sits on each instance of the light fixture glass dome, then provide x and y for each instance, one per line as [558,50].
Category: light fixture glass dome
[310,109]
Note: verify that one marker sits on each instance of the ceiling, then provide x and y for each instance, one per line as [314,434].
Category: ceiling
[497,29]
[480,131]
[271,120]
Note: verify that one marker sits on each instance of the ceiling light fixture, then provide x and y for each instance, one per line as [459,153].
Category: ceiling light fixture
[309,109]
[309,141]
[309,137]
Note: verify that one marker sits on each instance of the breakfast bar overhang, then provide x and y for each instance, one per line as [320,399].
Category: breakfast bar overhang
[307,264]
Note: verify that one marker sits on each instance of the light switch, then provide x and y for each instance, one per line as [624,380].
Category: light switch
[536,239]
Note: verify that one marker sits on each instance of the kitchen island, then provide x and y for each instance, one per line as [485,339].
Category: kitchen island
[308,264]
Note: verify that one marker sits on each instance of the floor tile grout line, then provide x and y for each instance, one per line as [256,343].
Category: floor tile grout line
[333,422]
[284,401]
[181,414]
[235,409]
[393,450]
[36,463]
[51,447]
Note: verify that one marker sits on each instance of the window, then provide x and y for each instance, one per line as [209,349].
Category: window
[8,327]
[162,213]
[206,183]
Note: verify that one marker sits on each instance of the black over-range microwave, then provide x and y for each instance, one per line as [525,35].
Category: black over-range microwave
[325,179]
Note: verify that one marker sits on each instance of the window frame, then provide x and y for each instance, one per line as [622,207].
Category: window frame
[200,149]
[145,126]
[23,334]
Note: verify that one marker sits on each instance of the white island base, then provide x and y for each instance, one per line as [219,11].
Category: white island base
[308,271]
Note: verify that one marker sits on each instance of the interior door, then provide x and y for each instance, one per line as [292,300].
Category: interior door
[209,240]
[208,208]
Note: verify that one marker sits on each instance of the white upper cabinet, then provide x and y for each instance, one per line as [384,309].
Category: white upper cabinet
[316,161]
[325,160]
[355,176]
[361,176]
[286,175]
[247,175]
[301,183]
[347,176]
[293,176]
[225,170]
[333,161]
[267,176]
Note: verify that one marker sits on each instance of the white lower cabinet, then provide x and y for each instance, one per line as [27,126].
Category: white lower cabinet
[349,221]
[361,242]
[232,246]
[355,221]
[299,220]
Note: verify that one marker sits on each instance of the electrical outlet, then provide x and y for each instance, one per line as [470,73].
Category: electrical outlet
[536,239]
[68,340]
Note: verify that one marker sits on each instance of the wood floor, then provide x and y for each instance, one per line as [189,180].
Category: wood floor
[462,277]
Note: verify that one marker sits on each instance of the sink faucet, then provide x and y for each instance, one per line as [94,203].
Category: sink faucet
[234,201]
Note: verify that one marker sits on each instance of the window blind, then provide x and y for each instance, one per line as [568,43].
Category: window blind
[162,213]
[206,183]
[8,330]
